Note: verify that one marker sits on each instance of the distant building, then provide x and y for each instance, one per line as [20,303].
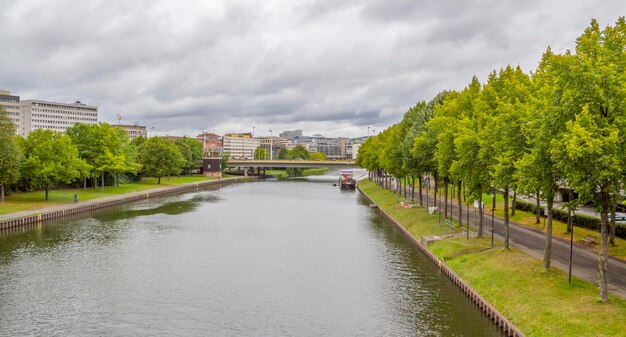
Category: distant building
[134,131]
[353,146]
[11,105]
[38,114]
[240,145]
[333,148]
[209,139]
[275,142]
[291,135]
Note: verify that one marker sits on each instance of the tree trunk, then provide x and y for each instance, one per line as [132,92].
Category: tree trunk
[1,193]
[481,218]
[117,179]
[604,247]
[420,192]
[158,180]
[458,189]
[612,229]
[547,253]
[513,203]
[445,198]
[46,189]
[493,207]
[84,183]
[102,181]
[506,218]
[435,203]
[537,208]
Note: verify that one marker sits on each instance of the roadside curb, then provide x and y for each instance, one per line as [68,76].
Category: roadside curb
[505,325]
[64,211]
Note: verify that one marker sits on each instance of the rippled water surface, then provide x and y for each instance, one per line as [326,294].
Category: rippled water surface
[275,258]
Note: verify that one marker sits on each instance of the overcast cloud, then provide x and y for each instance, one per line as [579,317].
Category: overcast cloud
[327,66]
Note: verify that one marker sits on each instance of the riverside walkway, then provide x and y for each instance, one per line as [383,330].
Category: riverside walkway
[532,242]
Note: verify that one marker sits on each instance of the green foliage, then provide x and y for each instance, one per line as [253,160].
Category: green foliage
[225,160]
[160,157]
[10,154]
[50,158]
[299,152]
[317,156]
[283,154]
[191,150]
[261,153]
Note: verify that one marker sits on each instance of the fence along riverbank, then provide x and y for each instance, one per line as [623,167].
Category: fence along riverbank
[65,211]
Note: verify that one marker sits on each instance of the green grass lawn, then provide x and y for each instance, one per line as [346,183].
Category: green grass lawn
[539,303]
[18,202]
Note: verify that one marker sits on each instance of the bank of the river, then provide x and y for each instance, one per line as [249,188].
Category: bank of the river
[282,174]
[58,211]
[539,303]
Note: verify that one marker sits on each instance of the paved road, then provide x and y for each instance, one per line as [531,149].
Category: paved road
[585,261]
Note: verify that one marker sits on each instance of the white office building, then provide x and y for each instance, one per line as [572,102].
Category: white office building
[37,114]
[134,131]
[11,104]
[240,145]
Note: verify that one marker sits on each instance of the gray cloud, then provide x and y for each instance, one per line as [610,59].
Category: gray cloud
[333,67]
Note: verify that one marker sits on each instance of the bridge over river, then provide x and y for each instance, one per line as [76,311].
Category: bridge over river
[337,164]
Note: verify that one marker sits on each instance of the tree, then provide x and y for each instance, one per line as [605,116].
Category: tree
[317,156]
[283,154]
[191,150]
[261,153]
[299,152]
[537,170]
[591,152]
[160,157]
[225,160]
[50,159]
[10,153]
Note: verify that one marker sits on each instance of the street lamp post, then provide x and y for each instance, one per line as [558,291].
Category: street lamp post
[368,131]
[271,147]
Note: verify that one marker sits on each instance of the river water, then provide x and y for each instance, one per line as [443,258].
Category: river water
[269,258]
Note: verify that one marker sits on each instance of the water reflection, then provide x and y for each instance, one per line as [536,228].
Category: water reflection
[280,258]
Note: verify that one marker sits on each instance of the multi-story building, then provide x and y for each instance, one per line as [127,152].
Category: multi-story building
[134,131]
[276,144]
[353,146]
[240,145]
[333,148]
[210,140]
[37,114]
[11,105]
[291,135]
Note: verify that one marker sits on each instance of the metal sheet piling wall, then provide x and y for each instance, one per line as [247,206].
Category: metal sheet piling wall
[40,217]
[507,327]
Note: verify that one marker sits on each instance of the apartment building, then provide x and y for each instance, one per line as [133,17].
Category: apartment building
[38,114]
[11,104]
[134,131]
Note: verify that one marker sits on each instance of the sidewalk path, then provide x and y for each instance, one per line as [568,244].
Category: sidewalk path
[531,241]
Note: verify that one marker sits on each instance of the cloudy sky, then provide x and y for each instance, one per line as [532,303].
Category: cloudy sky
[333,67]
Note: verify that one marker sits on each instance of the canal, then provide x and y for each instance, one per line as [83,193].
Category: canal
[270,258]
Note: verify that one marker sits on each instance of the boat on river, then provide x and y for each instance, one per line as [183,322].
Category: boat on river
[346,180]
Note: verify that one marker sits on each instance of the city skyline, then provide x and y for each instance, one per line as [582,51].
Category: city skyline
[327,67]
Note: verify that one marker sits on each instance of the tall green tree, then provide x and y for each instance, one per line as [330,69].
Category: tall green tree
[317,156]
[537,169]
[283,154]
[191,150]
[299,152]
[591,152]
[160,157]
[50,159]
[10,153]
[261,153]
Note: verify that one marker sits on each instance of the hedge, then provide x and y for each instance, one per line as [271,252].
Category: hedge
[580,220]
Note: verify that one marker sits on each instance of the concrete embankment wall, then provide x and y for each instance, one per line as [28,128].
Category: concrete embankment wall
[507,327]
[87,206]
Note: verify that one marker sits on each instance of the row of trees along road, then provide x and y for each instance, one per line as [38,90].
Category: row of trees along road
[562,125]
[87,152]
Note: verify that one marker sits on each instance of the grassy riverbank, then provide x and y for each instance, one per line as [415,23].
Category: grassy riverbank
[18,202]
[539,303]
[282,174]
